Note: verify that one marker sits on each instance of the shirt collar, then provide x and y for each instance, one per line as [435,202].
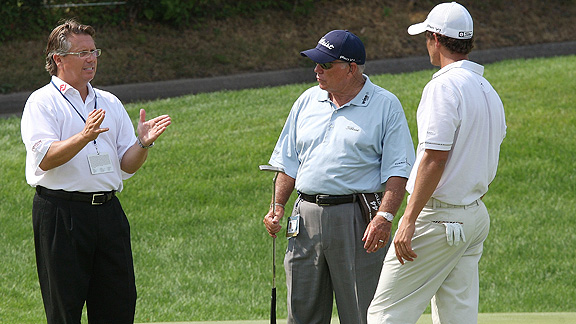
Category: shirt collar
[464,64]
[67,89]
[362,98]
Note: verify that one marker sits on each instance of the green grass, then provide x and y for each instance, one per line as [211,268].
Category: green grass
[201,252]
[490,318]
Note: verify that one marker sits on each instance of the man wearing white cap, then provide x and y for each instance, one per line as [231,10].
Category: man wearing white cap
[345,142]
[461,126]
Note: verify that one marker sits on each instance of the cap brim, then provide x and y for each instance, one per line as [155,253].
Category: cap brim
[417,28]
[317,56]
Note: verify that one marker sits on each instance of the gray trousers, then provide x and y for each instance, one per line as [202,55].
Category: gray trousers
[328,259]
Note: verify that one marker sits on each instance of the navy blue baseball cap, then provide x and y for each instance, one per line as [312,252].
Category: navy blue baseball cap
[338,45]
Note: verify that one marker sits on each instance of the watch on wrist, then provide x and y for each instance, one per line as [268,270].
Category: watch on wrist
[387,216]
[142,145]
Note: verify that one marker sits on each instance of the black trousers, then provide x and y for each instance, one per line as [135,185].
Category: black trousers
[83,255]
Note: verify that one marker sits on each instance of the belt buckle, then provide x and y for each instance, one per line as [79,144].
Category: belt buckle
[95,203]
[321,197]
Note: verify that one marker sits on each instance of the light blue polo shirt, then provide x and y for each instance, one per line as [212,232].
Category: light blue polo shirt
[352,149]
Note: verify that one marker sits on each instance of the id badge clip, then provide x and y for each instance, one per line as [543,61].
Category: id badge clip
[293,227]
[100,163]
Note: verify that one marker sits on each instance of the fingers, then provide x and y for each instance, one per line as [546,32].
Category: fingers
[403,242]
[404,251]
[376,235]
[449,234]
[161,123]
[93,122]
[454,234]
[272,224]
[400,256]
[462,234]
[95,118]
[150,130]
[376,244]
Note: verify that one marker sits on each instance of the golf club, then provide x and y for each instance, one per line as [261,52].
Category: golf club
[276,170]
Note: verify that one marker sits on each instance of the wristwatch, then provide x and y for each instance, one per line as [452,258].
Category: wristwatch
[387,216]
[144,146]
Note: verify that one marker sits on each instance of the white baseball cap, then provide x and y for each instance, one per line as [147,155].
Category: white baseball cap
[448,19]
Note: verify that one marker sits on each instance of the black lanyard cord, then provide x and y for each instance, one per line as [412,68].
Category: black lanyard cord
[79,114]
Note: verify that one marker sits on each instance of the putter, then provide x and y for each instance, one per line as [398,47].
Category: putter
[276,170]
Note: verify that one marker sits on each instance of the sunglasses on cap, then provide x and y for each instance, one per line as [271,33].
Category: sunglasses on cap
[329,65]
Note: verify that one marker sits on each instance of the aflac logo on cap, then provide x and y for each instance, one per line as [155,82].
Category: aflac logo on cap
[326,43]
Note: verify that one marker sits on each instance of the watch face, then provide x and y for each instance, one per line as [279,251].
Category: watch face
[388,216]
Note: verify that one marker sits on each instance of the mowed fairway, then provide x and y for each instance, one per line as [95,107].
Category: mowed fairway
[200,249]
[500,318]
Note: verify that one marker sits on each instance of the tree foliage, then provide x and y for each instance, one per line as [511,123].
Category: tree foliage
[22,19]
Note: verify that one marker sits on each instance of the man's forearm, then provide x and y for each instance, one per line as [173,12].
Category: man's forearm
[133,159]
[61,152]
[429,174]
[393,195]
[284,187]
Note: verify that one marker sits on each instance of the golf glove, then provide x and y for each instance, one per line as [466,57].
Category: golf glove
[454,233]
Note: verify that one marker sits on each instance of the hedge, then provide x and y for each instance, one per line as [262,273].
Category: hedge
[22,19]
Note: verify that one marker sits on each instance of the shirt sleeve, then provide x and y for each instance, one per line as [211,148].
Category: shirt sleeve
[285,154]
[39,130]
[440,118]
[398,148]
[126,136]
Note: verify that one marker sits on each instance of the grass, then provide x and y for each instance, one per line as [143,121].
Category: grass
[201,252]
[499,318]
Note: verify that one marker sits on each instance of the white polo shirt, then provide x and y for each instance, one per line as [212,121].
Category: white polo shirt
[351,149]
[460,112]
[48,117]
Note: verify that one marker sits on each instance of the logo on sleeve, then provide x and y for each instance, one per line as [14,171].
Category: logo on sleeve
[36,145]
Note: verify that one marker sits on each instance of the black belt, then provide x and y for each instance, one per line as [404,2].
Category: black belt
[95,198]
[327,200]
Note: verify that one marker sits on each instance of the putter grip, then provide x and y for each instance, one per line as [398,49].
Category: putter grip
[273,307]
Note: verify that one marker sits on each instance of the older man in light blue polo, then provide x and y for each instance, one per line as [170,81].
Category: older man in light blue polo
[347,150]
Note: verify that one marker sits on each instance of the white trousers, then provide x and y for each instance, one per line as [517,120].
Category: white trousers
[446,275]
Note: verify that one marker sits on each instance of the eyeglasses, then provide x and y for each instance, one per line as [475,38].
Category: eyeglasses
[85,54]
[329,65]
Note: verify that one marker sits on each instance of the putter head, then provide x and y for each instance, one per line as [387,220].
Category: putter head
[271,168]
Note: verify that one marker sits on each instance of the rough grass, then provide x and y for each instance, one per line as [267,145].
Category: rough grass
[272,40]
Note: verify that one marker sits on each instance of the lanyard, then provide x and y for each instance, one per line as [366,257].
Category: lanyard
[79,114]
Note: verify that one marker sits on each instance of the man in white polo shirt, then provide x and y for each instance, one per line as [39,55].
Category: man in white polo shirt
[461,125]
[80,146]
[345,141]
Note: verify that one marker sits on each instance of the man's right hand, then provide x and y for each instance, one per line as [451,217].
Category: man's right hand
[272,220]
[92,128]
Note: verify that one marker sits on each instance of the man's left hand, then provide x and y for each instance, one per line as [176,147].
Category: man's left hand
[149,131]
[376,234]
